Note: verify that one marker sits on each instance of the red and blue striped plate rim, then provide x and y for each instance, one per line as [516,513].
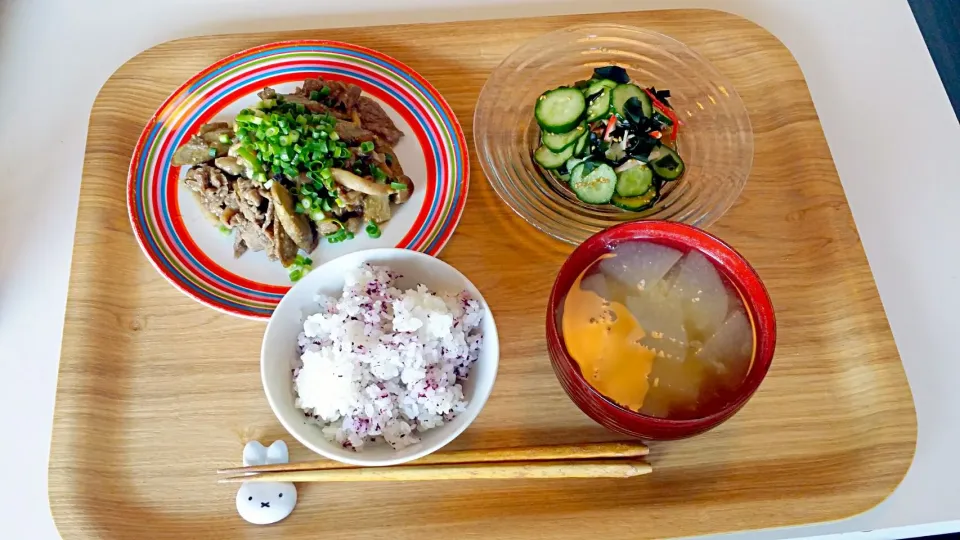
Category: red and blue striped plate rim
[152,183]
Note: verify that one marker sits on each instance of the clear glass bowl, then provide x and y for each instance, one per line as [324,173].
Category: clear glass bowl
[715,140]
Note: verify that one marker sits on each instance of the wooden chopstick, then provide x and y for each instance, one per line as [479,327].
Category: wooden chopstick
[608,450]
[605,468]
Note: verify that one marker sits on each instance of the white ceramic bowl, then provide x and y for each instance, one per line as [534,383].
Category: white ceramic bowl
[279,352]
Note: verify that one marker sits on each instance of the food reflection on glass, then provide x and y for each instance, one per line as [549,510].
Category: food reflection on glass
[610,140]
[658,331]
[317,163]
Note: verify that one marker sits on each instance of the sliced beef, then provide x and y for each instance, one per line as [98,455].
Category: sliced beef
[252,235]
[374,118]
[239,246]
[352,134]
[212,188]
[312,106]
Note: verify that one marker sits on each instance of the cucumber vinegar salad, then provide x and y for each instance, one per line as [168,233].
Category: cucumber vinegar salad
[610,140]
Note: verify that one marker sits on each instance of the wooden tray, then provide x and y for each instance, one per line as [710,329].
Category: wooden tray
[156,391]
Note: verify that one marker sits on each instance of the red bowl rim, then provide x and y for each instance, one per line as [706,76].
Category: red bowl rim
[726,259]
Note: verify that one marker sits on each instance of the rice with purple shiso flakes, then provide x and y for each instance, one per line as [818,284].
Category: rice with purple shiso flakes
[380,363]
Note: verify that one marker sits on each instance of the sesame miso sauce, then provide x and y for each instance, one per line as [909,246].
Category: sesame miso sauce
[658,331]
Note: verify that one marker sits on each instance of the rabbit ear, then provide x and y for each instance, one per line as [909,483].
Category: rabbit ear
[254,454]
[277,453]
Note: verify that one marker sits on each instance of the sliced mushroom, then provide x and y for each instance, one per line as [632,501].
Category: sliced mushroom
[327,226]
[354,224]
[403,195]
[357,183]
[376,208]
[229,165]
[284,247]
[196,151]
[294,224]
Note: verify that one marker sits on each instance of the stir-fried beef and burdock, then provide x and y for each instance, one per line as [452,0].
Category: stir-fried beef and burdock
[298,167]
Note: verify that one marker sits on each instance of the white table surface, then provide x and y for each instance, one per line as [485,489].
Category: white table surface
[865,63]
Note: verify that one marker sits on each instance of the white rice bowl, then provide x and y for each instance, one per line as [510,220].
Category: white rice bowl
[438,340]
[384,363]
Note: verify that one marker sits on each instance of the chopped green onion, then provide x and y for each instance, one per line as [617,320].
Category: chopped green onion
[268,103]
[212,152]
[378,174]
[373,231]
[399,186]
[298,208]
[284,140]
[334,136]
[224,230]
[272,131]
[224,138]
[296,274]
[325,91]
[366,147]
[326,174]
[315,95]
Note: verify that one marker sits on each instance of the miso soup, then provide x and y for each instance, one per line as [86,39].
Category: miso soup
[658,331]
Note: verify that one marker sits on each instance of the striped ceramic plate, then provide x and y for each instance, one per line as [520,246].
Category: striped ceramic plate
[198,259]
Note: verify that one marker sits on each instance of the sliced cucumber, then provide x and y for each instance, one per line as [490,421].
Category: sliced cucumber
[560,110]
[666,163]
[559,141]
[582,147]
[600,106]
[636,180]
[638,203]
[552,160]
[572,163]
[593,182]
[604,82]
[624,92]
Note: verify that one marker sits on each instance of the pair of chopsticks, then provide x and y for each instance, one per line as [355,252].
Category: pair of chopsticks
[596,460]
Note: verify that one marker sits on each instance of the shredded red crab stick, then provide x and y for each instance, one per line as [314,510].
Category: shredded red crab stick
[611,123]
[666,111]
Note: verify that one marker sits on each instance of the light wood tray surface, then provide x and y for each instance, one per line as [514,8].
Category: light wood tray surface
[156,391]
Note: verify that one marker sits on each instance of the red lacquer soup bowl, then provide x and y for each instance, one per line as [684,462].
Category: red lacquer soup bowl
[728,262]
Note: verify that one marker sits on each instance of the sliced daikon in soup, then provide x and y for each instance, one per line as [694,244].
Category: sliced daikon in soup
[597,284]
[673,386]
[661,318]
[701,292]
[729,351]
[639,265]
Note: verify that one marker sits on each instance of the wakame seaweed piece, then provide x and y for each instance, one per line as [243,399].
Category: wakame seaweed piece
[633,111]
[581,84]
[613,73]
[640,146]
[662,96]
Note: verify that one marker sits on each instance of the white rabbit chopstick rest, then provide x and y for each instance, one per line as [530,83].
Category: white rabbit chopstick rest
[262,503]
